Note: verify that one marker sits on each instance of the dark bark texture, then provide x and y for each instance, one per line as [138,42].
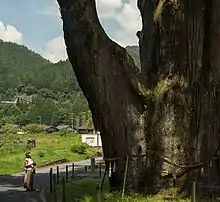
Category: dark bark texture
[110,82]
[186,104]
[170,110]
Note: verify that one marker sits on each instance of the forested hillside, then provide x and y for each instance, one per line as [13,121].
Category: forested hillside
[52,89]
[134,53]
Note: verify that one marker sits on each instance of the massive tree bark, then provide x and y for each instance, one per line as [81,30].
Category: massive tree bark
[186,110]
[171,109]
[110,82]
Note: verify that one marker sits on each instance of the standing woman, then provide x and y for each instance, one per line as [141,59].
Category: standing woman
[29,166]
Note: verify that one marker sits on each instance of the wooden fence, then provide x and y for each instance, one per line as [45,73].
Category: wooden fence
[70,172]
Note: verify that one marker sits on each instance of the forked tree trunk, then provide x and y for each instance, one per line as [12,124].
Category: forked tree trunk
[175,113]
[109,80]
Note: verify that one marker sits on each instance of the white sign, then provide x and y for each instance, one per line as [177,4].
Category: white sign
[93,140]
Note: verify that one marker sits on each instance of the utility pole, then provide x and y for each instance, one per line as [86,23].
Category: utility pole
[98,134]
[72,121]
[39,119]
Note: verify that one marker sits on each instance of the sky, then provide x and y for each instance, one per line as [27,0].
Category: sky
[37,24]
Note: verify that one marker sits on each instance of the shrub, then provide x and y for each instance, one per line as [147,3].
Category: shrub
[34,128]
[90,152]
[28,147]
[63,132]
[10,129]
[41,154]
[31,145]
[18,144]
[80,148]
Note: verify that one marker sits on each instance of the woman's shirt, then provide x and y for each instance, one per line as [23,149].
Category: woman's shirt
[29,161]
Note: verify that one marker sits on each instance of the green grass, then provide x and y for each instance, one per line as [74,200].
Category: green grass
[49,148]
[85,191]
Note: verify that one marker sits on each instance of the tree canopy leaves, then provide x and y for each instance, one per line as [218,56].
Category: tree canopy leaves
[46,91]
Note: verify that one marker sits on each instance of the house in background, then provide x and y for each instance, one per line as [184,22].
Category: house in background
[68,128]
[19,99]
[77,130]
[51,129]
[84,130]
[54,129]
[92,139]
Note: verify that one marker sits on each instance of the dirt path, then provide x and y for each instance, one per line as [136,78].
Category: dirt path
[11,186]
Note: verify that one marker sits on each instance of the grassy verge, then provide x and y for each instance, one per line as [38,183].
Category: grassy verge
[85,191]
[49,148]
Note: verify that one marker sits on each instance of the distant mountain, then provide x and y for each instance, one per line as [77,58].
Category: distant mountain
[134,53]
[53,88]
[17,63]
[23,71]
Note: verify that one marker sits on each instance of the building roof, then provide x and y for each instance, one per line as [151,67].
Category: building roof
[83,128]
[63,126]
[90,134]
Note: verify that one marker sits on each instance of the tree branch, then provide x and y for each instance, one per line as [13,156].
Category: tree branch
[84,34]
[109,79]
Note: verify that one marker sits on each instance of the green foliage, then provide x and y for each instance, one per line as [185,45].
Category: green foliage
[52,89]
[50,148]
[85,191]
[41,154]
[79,148]
[63,132]
[10,129]
[34,128]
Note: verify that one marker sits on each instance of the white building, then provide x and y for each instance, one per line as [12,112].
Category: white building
[93,140]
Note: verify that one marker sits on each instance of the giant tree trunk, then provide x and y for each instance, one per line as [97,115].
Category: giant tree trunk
[173,112]
[184,82]
[110,81]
